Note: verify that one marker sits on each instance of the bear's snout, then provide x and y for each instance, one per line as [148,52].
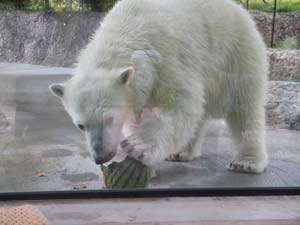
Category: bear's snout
[101,154]
[103,159]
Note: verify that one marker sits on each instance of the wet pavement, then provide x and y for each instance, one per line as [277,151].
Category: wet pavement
[40,149]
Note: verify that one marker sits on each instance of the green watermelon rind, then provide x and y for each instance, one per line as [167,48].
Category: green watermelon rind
[117,173]
[126,174]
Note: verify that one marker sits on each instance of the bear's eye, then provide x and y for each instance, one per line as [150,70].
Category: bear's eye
[81,127]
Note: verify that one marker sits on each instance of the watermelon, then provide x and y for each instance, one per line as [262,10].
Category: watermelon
[128,173]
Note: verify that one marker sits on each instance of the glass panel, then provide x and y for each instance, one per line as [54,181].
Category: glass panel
[42,150]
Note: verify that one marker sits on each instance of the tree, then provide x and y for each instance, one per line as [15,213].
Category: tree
[15,4]
[47,5]
[69,5]
[94,5]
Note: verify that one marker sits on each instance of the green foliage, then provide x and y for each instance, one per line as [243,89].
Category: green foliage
[108,4]
[13,4]
[57,5]
[268,5]
[288,43]
[105,5]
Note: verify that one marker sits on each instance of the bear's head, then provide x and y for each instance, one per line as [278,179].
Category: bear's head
[101,100]
[98,106]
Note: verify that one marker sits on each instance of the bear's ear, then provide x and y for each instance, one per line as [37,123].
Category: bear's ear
[126,75]
[57,90]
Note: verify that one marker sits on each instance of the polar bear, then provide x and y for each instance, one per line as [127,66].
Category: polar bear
[181,62]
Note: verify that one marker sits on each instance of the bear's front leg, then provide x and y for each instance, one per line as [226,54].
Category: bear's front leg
[142,141]
[155,138]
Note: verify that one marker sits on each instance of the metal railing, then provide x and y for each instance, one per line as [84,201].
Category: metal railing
[274,11]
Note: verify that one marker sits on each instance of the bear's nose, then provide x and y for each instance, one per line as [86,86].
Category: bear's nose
[97,150]
[100,160]
[102,153]
[103,159]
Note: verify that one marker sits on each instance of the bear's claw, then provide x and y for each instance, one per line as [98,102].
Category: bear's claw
[180,157]
[247,166]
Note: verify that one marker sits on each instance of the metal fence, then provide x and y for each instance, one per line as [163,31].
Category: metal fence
[273,19]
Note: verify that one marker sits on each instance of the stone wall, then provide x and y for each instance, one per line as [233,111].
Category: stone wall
[287,25]
[44,37]
[284,64]
[55,39]
[283,105]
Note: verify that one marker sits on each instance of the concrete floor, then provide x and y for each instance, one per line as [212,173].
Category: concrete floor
[40,149]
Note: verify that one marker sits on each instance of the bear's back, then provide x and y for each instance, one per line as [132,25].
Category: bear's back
[190,35]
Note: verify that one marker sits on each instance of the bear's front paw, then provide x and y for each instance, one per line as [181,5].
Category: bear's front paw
[138,150]
[248,166]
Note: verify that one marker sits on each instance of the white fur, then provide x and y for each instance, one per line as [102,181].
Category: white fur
[194,60]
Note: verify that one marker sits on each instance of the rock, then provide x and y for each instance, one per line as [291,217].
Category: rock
[46,38]
[286,25]
[284,65]
[283,106]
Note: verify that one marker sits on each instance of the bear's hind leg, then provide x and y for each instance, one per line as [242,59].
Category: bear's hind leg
[249,135]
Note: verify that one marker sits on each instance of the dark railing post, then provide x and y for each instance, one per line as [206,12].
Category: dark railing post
[273,23]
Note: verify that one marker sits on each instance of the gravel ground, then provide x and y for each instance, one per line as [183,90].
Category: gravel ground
[284,65]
